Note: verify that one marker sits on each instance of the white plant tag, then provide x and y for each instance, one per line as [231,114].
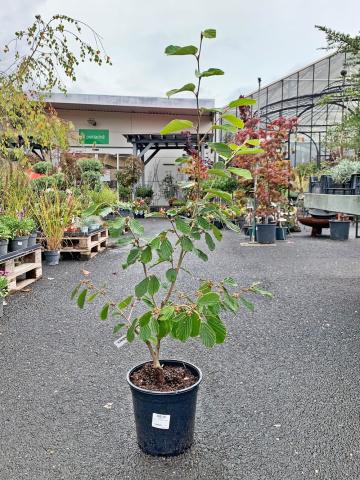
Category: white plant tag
[120,342]
[19,243]
[160,421]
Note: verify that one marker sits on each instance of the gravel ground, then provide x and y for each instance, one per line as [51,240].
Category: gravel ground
[278,401]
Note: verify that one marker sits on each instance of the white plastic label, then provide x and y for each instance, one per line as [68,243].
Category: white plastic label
[19,243]
[160,421]
[120,342]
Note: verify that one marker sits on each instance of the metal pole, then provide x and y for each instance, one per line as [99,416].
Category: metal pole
[255,176]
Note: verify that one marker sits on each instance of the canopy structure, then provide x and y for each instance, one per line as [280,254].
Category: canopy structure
[313,95]
[144,143]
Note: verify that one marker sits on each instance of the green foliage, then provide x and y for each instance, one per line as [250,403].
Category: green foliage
[144,192]
[5,232]
[90,165]
[42,183]
[105,197]
[342,172]
[18,227]
[42,167]
[92,179]
[166,310]
[124,193]
[4,287]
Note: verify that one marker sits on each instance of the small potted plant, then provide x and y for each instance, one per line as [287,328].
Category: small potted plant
[20,229]
[139,207]
[4,290]
[164,390]
[5,234]
[340,227]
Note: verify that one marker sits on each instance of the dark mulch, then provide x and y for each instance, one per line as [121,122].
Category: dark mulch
[167,379]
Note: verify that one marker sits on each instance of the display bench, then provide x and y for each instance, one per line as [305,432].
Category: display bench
[86,245]
[22,267]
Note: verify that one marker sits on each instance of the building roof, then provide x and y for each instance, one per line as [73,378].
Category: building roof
[119,103]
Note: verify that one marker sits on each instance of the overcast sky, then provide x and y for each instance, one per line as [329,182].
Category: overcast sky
[255,38]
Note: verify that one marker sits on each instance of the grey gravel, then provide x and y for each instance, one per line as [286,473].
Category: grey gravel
[280,400]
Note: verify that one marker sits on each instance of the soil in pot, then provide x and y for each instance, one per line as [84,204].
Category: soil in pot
[165,420]
[4,247]
[169,379]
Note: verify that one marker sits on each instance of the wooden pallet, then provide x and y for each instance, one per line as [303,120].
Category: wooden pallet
[22,267]
[86,245]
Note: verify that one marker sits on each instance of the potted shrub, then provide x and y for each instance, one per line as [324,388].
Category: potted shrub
[164,390]
[139,207]
[5,234]
[4,290]
[146,193]
[53,211]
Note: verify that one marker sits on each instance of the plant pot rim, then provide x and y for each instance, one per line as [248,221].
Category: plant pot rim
[156,392]
[51,251]
[339,221]
[20,237]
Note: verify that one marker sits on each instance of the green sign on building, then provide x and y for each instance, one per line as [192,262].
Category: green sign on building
[89,136]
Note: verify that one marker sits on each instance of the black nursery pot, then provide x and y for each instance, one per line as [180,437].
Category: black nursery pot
[266,232]
[165,420]
[339,229]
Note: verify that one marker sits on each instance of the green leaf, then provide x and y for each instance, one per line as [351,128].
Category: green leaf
[212,192]
[146,255]
[104,312]
[242,102]
[81,298]
[176,50]
[75,291]
[230,301]
[210,298]
[218,327]
[232,226]
[210,72]
[141,288]
[118,327]
[164,328]
[253,141]
[130,334]
[165,249]
[136,227]
[217,234]
[182,226]
[201,254]
[221,148]
[207,335]
[219,172]
[166,313]
[184,328]
[203,223]
[195,234]
[230,281]
[249,305]
[153,285]
[186,244]
[189,87]
[209,33]
[118,224]
[125,241]
[92,297]
[171,275]
[237,122]
[249,151]
[133,255]
[176,126]
[145,333]
[226,127]
[241,172]
[195,325]
[209,242]
[144,319]
[124,303]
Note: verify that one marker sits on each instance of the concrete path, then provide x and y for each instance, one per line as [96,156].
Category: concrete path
[280,400]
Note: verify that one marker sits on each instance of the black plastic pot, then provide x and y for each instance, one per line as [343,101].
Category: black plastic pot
[218,224]
[32,239]
[281,233]
[4,247]
[266,232]
[18,243]
[339,229]
[165,420]
[52,257]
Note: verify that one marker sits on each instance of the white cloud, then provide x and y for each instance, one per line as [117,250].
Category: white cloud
[263,38]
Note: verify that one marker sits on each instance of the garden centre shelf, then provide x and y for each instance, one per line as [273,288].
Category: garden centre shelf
[22,267]
[86,245]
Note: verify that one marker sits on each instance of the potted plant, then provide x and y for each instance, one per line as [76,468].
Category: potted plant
[139,207]
[340,227]
[20,229]
[5,234]
[53,211]
[146,193]
[4,290]
[164,390]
